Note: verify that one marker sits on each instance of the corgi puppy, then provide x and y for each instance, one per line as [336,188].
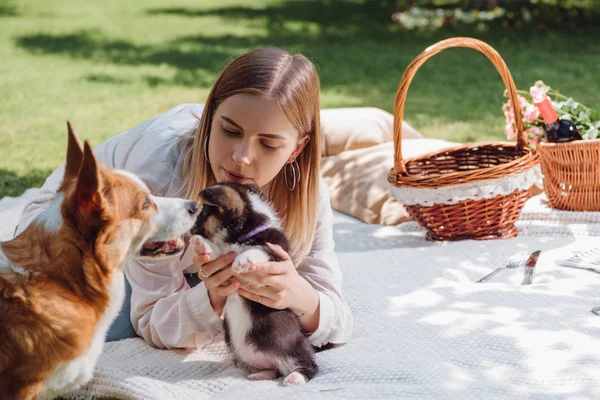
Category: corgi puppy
[265,341]
[62,280]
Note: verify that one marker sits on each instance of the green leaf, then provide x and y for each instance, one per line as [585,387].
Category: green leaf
[571,103]
[558,105]
[591,133]
[566,117]
[583,117]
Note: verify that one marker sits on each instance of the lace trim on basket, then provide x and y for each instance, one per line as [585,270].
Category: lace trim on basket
[485,189]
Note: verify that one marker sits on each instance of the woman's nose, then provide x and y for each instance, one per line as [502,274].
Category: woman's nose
[241,155]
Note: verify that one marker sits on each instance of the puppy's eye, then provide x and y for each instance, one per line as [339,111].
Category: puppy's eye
[147,203]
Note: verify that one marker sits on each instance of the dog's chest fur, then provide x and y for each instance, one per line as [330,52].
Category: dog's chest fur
[72,374]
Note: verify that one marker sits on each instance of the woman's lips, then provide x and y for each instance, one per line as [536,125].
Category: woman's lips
[235,177]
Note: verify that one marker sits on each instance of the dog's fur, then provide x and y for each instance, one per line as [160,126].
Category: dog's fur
[263,340]
[61,280]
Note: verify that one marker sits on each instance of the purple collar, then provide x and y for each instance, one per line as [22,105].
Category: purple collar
[253,232]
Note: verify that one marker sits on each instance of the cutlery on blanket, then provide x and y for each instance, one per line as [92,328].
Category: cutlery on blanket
[517,260]
[588,260]
[530,267]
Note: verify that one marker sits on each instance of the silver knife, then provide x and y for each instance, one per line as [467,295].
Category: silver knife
[530,267]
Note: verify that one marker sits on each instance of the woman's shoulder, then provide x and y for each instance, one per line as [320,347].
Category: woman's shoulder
[172,125]
[152,134]
[151,149]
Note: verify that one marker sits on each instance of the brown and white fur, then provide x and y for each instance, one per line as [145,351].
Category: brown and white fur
[62,281]
[265,341]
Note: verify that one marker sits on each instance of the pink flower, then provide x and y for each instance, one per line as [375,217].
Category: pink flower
[538,88]
[522,101]
[511,133]
[509,116]
[534,134]
[535,91]
[531,113]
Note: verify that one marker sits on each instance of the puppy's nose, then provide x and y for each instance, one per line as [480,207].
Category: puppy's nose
[192,207]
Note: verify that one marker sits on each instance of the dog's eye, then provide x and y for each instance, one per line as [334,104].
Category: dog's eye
[147,203]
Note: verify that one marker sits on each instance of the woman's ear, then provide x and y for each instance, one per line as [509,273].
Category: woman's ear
[299,147]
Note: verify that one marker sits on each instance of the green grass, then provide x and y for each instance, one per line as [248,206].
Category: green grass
[108,65]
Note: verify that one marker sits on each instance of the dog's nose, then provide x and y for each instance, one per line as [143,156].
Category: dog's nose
[192,207]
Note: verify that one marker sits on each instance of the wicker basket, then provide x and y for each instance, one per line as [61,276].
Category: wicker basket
[572,174]
[486,217]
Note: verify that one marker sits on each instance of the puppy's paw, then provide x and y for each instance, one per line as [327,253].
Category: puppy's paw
[266,375]
[200,245]
[294,379]
[248,259]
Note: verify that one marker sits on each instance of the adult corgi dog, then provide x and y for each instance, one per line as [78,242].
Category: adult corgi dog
[62,281]
[266,342]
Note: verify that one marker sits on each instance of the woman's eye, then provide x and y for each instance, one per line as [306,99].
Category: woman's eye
[230,132]
[270,148]
[147,204]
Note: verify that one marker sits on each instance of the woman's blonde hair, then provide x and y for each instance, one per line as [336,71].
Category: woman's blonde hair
[293,82]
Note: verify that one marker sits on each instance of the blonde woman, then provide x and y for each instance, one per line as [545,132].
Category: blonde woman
[260,123]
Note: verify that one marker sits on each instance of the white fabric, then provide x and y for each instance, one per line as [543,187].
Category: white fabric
[164,309]
[423,328]
[453,194]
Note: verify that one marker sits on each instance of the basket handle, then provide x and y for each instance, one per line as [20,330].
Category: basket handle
[411,70]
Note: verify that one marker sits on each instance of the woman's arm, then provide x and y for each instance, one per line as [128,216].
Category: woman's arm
[321,270]
[312,291]
[165,311]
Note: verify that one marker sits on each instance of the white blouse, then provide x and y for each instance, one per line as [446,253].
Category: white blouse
[165,310]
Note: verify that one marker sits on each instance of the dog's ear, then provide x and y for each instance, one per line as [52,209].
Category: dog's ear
[88,192]
[74,153]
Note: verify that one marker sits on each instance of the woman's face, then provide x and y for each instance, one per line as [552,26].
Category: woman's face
[251,139]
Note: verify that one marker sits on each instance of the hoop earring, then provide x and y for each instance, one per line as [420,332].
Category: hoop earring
[205,145]
[295,175]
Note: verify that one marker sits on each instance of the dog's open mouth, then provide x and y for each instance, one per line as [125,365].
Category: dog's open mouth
[160,249]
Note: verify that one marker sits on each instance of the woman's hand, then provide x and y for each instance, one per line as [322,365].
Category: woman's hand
[278,285]
[216,274]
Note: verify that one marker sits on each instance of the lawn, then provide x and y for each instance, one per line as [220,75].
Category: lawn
[108,65]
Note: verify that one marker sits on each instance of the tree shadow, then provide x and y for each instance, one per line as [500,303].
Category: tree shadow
[334,18]
[359,52]
[93,45]
[13,184]
[8,9]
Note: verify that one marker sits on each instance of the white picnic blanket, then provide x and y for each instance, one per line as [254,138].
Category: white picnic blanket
[423,328]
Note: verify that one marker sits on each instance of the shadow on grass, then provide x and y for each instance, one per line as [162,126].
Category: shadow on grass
[8,9]
[359,52]
[12,184]
[334,18]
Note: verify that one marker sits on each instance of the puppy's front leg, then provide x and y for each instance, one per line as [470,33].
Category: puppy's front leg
[247,259]
[199,242]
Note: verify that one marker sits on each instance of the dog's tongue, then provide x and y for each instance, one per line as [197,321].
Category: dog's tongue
[170,246]
[153,245]
[159,247]
[167,246]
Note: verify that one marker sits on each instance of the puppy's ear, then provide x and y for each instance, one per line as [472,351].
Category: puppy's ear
[89,198]
[213,196]
[226,198]
[74,155]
